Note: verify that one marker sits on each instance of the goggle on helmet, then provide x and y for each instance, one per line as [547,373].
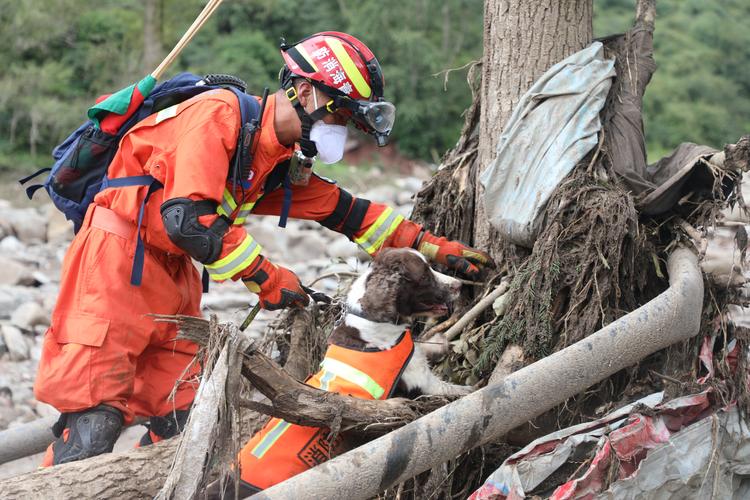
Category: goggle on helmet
[346,70]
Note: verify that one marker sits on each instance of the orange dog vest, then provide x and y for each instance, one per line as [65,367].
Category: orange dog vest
[281,450]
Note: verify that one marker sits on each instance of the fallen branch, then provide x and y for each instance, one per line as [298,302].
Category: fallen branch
[304,345]
[305,405]
[699,240]
[440,327]
[475,311]
[302,404]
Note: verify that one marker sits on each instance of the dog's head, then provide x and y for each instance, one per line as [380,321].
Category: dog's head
[400,285]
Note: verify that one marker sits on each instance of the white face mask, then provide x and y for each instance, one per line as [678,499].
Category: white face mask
[329,140]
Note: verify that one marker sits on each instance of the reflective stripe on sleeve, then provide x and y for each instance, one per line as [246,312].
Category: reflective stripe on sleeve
[352,375]
[269,439]
[234,262]
[227,204]
[245,210]
[376,234]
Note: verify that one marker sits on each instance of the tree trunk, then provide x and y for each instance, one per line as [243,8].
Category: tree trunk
[152,46]
[138,473]
[521,41]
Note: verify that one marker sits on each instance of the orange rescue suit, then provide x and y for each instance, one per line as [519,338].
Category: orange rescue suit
[282,450]
[102,347]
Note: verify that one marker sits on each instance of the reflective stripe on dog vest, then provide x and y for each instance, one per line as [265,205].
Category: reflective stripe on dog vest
[234,262]
[351,374]
[281,450]
[269,439]
[380,230]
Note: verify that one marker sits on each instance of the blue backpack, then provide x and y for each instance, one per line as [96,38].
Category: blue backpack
[82,160]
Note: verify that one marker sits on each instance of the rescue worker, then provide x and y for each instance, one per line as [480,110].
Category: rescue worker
[105,362]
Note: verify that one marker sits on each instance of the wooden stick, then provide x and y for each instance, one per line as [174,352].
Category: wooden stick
[475,311]
[700,241]
[440,327]
[205,14]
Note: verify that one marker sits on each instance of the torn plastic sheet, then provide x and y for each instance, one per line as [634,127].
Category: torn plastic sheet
[615,447]
[553,126]
[709,459]
[528,468]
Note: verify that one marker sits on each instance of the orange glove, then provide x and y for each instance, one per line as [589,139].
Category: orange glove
[277,287]
[454,255]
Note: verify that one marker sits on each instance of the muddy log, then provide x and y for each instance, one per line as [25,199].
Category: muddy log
[138,473]
[26,439]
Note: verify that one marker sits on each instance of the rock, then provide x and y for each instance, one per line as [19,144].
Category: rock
[13,296]
[224,301]
[16,343]
[404,198]
[342,248]
[12,245]
[404,210]
[29,315]
[28,225]
[272,237]
[409,184]
[382,194]
[303,246]
[59,229]
[14,273]
[40,277]
[6,228]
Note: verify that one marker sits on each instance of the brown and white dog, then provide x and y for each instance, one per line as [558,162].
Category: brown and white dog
[381,304]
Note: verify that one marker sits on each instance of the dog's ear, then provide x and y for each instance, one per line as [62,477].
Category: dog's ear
[402,262]
[379,302]
[413,268]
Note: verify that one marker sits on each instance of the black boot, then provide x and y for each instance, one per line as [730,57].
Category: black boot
[165,427]
[90,432]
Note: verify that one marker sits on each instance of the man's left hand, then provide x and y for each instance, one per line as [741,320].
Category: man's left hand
[455,255]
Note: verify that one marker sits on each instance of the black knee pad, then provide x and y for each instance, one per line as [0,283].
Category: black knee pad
[165,427]
[90,432]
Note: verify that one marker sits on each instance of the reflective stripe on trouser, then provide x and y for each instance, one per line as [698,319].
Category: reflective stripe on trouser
[234,262]
[380,230]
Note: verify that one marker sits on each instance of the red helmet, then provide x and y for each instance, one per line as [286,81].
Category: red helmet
[339,62]
[346,70]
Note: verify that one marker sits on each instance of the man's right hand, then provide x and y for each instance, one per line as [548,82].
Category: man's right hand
[277,287]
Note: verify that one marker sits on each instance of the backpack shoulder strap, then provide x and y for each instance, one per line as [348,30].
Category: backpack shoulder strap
[251,115]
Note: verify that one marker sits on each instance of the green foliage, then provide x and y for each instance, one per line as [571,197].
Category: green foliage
[59,55]
[701,89]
